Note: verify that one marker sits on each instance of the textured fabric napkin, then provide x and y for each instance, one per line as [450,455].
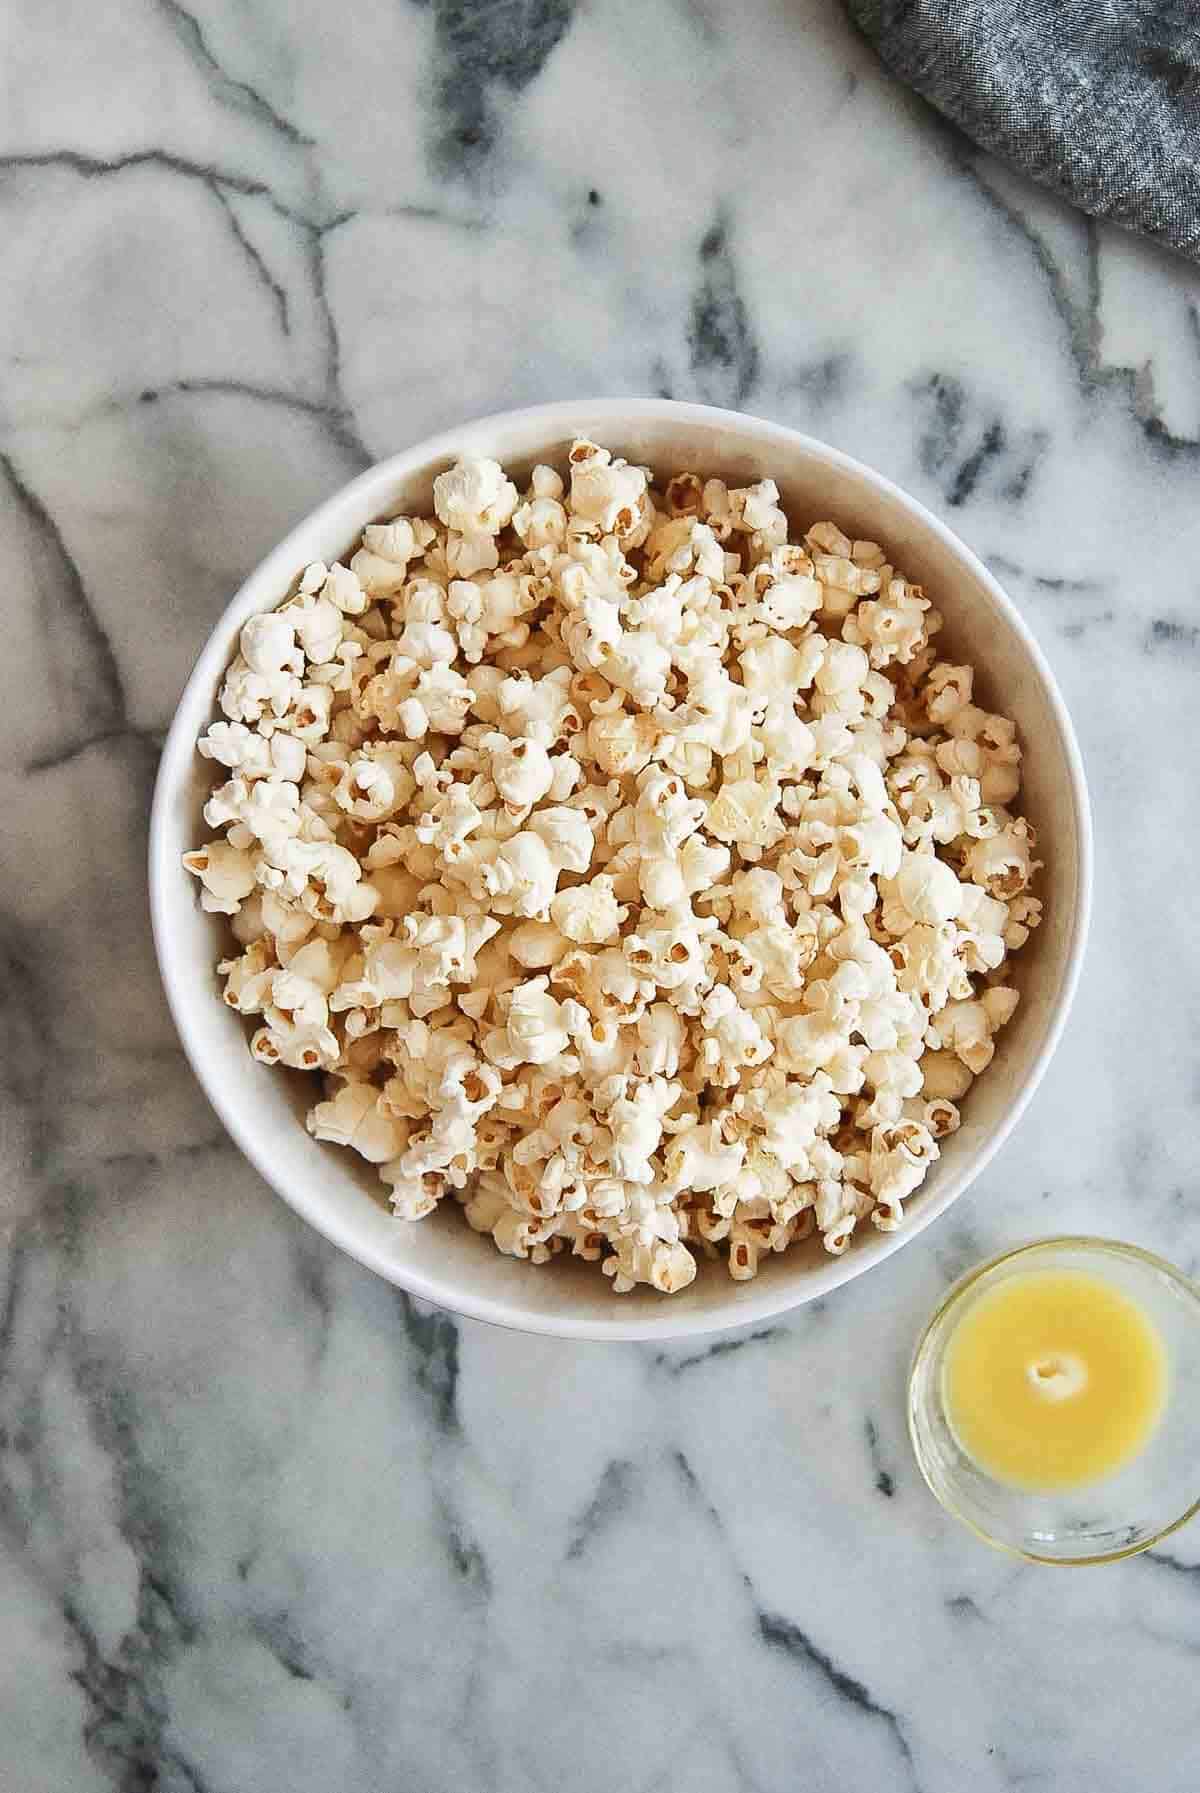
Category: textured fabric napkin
[1099,99]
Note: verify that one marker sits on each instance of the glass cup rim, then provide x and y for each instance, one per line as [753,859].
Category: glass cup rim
[1085,1242]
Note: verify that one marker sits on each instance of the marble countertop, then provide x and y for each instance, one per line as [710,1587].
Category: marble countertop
[264,1523]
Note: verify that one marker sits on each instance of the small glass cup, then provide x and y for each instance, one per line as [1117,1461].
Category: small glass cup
[1153,1495]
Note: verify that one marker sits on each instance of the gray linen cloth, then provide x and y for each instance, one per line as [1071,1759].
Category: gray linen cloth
[1098,99]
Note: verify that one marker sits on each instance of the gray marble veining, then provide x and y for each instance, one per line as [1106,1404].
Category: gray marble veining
[264,1524]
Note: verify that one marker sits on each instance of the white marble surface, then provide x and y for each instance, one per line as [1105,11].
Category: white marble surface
[262,1523]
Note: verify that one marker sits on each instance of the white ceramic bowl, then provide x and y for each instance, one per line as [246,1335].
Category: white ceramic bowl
[440,1259]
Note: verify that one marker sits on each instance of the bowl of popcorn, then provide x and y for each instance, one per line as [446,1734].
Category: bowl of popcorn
[620,869]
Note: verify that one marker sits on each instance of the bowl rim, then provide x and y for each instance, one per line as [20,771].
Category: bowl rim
[1088,1245]
[275,571]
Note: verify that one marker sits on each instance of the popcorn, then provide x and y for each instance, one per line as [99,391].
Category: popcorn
[254,755]
[699,1159]
[900,1157]
[227,875]
[666,1267]
[840,677]
[621,743]
[588,914]
[300,1045]
[946,1078]
[538,943]
[790,602]
[634,878]
[1003,864]
[319,627]
[539,708]
[638,663]
[965,1028]
[947,691]
[356,1117]
[927,888]
[635,1123]
[309,713]
[745,813]
[401,540]
[518,876]
[661,1037]
[474,498]
[732,1038]
[520,770]
[757,895]
[268,644]
[1024,914]
[343,591]
[940,1117]
[258,697]
[541,521]
[605,492]
[567,835]
[248,978]
[533,1032]
[374,786]
[892,628]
